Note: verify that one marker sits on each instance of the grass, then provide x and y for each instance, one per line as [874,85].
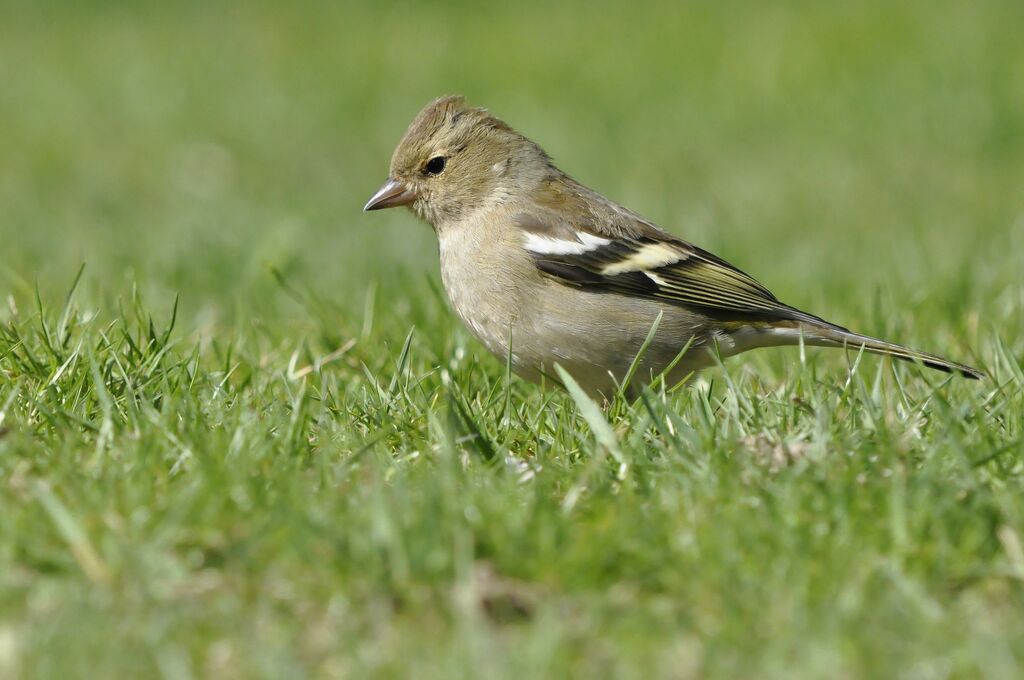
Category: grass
[249,439]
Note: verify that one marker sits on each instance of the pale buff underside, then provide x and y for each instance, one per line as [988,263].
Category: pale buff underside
[500,295]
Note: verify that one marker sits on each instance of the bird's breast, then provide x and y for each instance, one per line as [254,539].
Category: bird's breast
[485,283]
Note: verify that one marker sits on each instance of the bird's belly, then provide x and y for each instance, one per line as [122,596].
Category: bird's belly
[598,349]
[595,348]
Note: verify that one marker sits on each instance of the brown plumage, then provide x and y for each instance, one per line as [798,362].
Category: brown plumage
[532,257]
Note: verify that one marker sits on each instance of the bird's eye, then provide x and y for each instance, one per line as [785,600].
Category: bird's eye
[435,166]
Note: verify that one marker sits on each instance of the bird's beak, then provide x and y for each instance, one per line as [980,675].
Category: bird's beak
[391,195]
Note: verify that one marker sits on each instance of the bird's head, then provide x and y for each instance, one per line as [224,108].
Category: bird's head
[456,159]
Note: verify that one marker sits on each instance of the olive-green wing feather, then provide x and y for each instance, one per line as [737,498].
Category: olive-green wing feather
[662,268]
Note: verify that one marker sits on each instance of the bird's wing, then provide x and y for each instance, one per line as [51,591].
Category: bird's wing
[633,257]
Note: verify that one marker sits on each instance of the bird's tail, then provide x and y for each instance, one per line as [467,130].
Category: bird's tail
[829,335]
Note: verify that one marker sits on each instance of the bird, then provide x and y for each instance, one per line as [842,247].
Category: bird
[547,272]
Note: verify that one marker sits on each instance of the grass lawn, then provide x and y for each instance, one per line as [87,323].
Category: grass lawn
[250,440]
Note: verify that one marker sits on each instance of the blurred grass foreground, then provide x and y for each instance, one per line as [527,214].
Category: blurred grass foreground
[248,439]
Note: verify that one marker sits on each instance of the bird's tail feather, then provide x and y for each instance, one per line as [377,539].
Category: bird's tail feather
[827,335]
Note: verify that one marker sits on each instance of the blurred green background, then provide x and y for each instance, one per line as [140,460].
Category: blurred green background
[835,150]
[172,516]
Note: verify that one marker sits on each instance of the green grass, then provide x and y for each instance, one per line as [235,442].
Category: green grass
[250,440]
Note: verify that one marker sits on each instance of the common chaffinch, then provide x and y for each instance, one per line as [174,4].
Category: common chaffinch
[545,271]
